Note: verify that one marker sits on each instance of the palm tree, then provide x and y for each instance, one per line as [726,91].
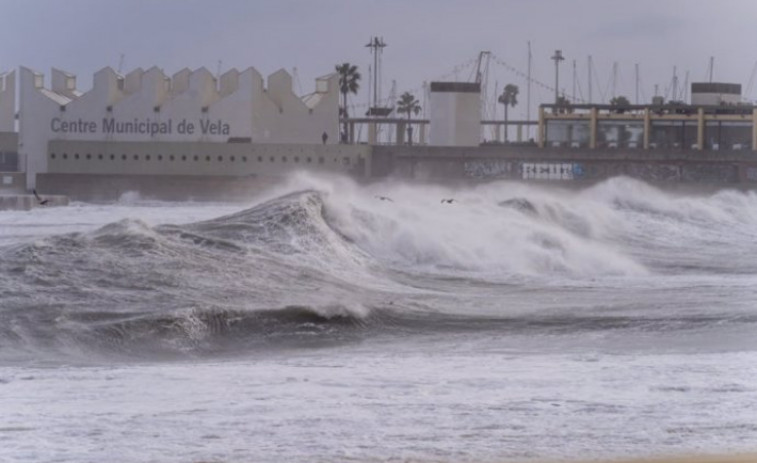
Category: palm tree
[509,97]
[621,102]
[409,105]
[349,82]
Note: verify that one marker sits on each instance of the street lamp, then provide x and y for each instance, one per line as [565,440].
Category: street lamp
[557,57]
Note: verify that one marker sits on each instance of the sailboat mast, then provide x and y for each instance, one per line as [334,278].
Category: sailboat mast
[528,90]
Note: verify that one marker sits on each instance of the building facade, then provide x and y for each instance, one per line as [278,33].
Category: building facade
[455,109]
[663,127]
[153,114]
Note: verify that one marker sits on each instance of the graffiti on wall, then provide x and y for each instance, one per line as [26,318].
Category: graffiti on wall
[551,171]
[750,174]
[488,168]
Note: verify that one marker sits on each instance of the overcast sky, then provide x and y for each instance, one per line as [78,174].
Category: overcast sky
[426,39]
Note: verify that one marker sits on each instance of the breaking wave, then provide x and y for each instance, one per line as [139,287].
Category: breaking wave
[326,262]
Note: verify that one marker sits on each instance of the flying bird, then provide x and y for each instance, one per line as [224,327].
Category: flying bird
[384,198]
[448,200]
[41,201]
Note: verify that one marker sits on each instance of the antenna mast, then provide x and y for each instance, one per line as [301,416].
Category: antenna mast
[528,91]
[574,80]
[712,66]
[377,45]
[590,68]
[557,57]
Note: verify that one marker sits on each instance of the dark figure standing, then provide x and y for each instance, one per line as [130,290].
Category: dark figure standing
[324,137]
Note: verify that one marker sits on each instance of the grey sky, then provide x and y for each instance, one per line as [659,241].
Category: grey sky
[426,38]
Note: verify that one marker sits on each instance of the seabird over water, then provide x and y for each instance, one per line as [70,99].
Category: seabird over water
[41,201]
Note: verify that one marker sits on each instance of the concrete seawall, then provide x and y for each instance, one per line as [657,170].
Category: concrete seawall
[564,165]
[23,202]
[87,187]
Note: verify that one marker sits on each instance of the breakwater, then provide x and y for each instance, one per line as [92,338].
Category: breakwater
[432,163]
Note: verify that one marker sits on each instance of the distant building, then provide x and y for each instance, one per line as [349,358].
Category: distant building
[7,101]
[140,121]
[9,161]
[715,94]
[455,110]
[666,127]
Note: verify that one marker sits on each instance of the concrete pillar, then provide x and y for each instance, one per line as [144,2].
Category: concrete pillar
[352,133]
[400,135]
[368,168]
[754,129]
[422,134]
[700,129]
[541,135]
[496,133]
[647,127]
[593,129]
[372,133]
[519,133]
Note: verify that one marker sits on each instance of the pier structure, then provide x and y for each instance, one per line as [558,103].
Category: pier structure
[666,127]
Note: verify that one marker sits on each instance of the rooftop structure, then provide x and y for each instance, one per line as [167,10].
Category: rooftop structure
[715,93]
[455,110]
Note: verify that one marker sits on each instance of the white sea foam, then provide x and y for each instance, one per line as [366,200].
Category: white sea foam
[334,325]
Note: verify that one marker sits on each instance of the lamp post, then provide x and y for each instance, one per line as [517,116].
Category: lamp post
[557,57]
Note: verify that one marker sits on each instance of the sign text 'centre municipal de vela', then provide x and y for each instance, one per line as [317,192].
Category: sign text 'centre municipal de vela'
[141,126]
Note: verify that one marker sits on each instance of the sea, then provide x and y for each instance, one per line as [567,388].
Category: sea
[328,321]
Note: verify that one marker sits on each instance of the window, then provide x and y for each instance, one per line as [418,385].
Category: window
[244,159]
[283,159]
[207,158]
[184,158]
[171,157]
[147,158]
[123,157]
[196,158]
[260,158]
[160,157]
[112,156]
[296,159]
[232,159]
[136,157]
[52,155]
[272,160]
[76,156]
[89,156]
[65,155]
[310,159]
[321,160]
[220,158]
[100,157]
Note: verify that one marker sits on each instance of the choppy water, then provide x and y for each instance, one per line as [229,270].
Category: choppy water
[323,323]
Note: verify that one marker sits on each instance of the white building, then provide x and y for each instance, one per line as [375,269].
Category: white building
[455,109]
[152,108]
[7,101]
[715,94]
